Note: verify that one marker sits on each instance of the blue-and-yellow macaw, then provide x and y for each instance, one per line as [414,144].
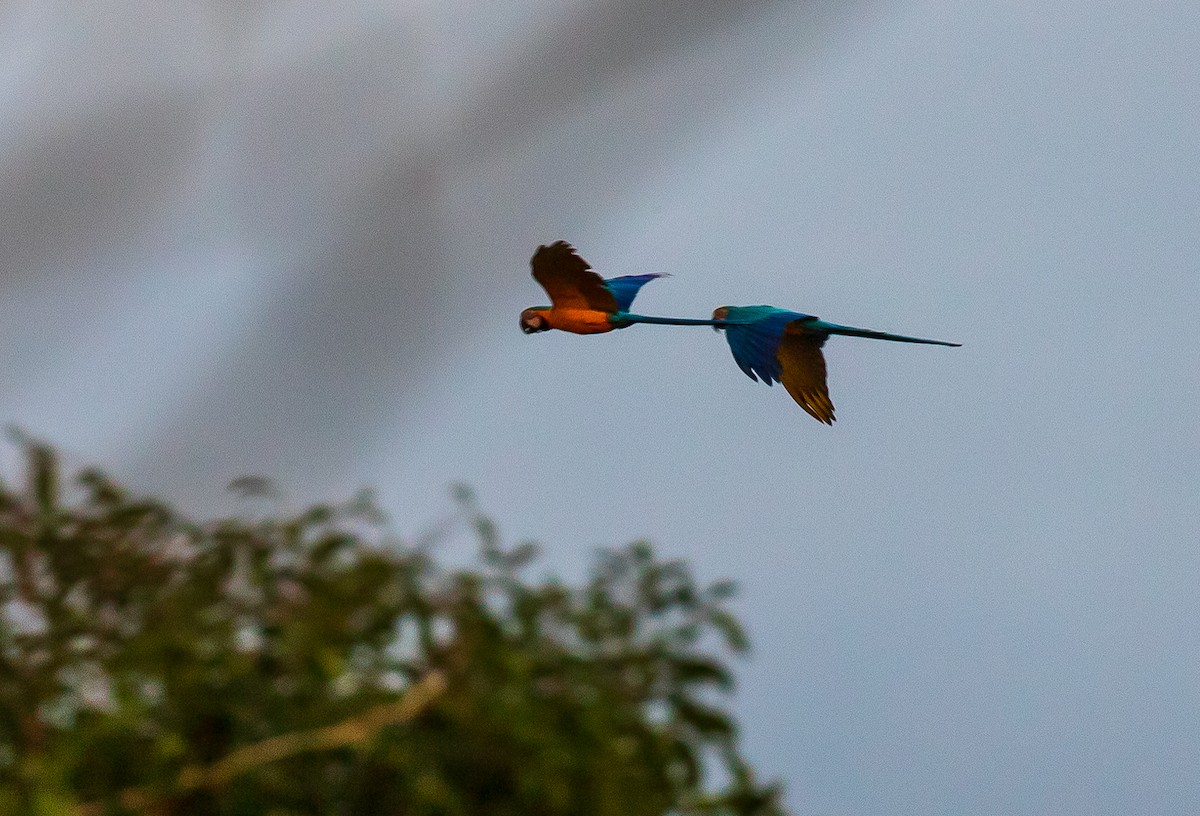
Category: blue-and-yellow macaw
[776,345]
[581,301]
[771,344]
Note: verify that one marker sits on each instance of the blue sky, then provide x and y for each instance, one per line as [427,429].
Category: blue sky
[279,239]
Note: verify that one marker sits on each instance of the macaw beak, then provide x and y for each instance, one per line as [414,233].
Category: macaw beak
[533,322]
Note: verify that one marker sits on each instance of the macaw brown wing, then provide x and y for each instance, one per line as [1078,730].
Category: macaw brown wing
[569,281]
[803,370]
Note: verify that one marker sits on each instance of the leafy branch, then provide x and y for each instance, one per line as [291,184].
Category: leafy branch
[151,663]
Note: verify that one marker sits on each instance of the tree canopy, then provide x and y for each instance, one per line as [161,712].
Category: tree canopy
[312,664]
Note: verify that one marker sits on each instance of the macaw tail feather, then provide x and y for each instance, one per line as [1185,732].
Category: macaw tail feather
[626,287]
[851,331]
[627,318]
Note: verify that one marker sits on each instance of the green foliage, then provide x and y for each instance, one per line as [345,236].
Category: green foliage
[137,646]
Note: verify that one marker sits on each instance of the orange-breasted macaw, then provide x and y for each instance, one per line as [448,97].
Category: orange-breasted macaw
[768,343]
[581,301]
[776,345]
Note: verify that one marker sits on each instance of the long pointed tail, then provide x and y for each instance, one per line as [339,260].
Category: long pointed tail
[625,317]
[851,331]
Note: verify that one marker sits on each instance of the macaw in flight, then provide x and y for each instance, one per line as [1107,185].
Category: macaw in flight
[768,343]
[581,301]
[782,346]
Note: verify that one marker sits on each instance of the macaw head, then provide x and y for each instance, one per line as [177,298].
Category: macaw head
[720,313]
[533,320]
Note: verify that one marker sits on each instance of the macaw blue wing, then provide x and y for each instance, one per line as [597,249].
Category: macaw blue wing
[754,334]
[626,287]
[775,345]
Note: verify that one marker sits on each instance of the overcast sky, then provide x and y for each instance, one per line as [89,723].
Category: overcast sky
[292,238]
